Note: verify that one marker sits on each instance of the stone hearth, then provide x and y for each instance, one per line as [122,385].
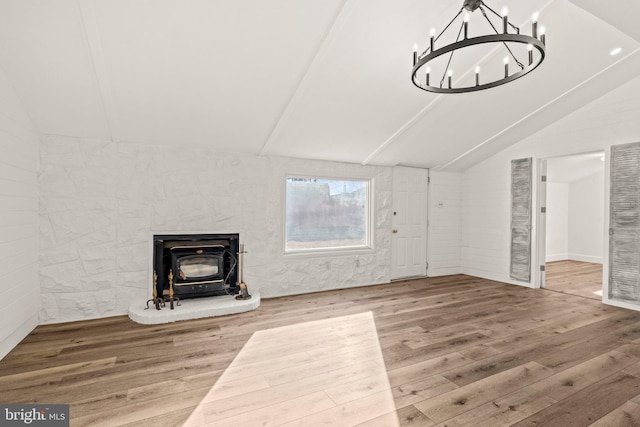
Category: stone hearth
[196,308]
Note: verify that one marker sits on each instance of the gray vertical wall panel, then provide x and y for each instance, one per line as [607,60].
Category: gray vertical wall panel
[624,231]
[521,197]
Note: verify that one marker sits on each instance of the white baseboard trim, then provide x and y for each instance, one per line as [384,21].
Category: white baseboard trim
[585,258]
[445,271]
[18,335]
[557,257]
[492,276]
[621,304]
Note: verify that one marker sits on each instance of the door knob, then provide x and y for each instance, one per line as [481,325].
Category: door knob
[394,231]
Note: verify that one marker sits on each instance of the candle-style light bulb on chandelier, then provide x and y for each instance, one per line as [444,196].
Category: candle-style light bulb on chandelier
[526,51]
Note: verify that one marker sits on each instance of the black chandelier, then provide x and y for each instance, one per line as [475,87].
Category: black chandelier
[515,44]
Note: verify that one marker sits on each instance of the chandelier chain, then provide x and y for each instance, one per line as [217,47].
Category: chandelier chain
[505,45]
[498,15]
[443,31]
[450,57]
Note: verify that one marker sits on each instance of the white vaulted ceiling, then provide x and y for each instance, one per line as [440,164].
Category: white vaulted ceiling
[312,79]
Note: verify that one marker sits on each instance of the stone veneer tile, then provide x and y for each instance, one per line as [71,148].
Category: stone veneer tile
[101,202]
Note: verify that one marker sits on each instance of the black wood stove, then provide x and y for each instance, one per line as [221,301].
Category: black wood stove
[195,265]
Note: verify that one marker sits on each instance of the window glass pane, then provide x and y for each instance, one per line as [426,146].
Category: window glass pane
[326,213]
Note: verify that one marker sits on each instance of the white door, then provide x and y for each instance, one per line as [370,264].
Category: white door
[409,238]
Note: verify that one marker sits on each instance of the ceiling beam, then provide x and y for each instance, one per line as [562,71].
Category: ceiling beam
[330,36]
[408,125]
[89,23]
[472,156]
[622,14]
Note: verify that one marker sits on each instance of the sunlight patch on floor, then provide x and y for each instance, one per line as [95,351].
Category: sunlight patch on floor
[326,372]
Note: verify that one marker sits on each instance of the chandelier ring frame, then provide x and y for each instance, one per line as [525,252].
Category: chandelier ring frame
[491,38]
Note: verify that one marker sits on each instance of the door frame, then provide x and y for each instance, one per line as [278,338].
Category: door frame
[540,206]
[541,225]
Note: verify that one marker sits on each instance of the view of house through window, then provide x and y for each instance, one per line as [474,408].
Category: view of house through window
[326,213]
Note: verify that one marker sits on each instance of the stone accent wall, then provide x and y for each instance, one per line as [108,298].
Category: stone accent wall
[101,203]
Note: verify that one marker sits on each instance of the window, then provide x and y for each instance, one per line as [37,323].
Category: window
[325,213]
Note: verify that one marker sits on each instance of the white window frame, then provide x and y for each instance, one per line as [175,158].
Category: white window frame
[367,248]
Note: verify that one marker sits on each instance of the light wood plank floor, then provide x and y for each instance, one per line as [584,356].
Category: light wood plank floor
[575,278]
[446,351]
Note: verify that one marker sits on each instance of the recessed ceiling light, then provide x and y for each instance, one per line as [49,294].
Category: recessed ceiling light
[615,51]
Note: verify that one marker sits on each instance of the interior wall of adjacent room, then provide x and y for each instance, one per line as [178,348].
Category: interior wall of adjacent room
[19,285]
[102,202]
[586,218]
[611,119]
[557,225]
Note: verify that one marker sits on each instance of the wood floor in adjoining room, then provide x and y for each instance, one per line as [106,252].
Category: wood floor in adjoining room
[448,351]
[575,278]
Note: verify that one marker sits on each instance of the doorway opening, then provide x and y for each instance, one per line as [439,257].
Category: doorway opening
[574,225]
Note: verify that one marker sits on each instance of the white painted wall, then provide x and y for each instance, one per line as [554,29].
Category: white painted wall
[586,218]
[18,221]
[557,226]
[101,202]
[445,216]
[610,120]
[486,218]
